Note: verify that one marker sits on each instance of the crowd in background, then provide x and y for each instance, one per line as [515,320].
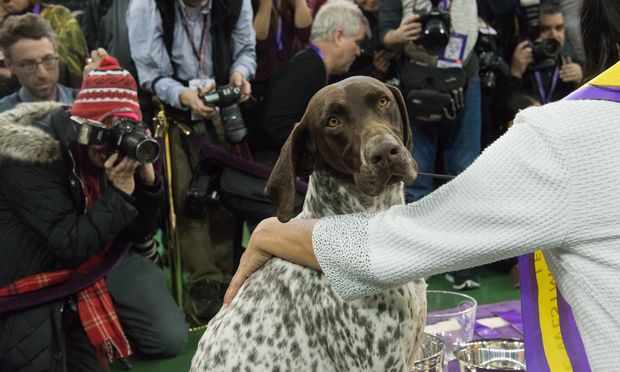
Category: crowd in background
[505,55]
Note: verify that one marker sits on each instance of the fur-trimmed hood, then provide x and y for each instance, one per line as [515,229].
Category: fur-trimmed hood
[22,137]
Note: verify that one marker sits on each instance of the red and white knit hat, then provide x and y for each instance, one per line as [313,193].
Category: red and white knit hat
[107,90]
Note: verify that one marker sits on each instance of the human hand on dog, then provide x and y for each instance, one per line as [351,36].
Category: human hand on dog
[291,241]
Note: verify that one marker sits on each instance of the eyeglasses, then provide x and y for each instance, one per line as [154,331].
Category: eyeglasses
[30,66]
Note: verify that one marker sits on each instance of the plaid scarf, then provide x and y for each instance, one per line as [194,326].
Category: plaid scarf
[94,303]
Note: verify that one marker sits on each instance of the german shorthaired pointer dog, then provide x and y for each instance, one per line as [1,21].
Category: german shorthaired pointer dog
[355,140]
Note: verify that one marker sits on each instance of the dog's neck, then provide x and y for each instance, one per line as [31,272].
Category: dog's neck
[328,196]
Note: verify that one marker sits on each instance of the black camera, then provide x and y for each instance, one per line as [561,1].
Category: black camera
[546,53]
[226,99]
[435,29]
[126,136]
[204,188]
[492,65]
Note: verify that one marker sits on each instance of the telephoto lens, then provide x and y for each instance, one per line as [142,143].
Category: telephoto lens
[232,121]
[131,140]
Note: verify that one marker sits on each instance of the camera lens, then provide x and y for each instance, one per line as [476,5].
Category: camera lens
[147,151]
[435,36]
[234,127]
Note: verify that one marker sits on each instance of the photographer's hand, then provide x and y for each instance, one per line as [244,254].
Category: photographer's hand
[571,72]
[95,58]
[121,175]
[190,98]
[237,79]
[410,29]
[521,58]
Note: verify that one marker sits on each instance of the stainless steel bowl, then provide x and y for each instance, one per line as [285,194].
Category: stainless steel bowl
[429,357]
[491,355]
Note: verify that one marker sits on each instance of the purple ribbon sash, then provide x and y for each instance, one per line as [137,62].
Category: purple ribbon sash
[606,87]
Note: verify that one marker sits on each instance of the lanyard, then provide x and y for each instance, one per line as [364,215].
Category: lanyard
[541,89]
[317,50]
[322,56]
[203,41]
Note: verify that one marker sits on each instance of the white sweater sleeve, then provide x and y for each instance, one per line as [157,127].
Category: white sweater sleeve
[508,202]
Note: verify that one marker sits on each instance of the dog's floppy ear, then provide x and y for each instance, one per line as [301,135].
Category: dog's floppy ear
[403,115]
[295,160]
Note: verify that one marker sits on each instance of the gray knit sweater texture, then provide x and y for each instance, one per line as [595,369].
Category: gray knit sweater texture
[551,183]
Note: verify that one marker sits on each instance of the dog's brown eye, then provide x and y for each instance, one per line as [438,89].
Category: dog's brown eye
[383,102]
[333,122]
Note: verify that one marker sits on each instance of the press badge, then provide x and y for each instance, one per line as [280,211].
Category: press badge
[454,53]
[200,83]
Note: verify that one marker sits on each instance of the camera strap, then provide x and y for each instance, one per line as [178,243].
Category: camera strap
[203,39]
[541,88]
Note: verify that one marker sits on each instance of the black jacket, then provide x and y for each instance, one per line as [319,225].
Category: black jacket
[286,99]
[44,223]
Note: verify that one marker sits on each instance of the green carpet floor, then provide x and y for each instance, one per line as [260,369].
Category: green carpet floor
[494,287]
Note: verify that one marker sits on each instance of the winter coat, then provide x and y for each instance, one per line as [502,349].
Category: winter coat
[44,222]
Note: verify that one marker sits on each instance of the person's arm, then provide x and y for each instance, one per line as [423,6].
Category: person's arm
[262,19]
[244,44]
[42,199]
[512,200]
[521,58]
[303,16]
[394,30]
[145,32]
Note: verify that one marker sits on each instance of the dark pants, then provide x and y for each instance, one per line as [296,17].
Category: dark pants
[153,323]
[50,337]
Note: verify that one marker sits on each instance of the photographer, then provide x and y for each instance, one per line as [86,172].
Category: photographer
[446,122]
[69,207]
[183,49]
[544,69]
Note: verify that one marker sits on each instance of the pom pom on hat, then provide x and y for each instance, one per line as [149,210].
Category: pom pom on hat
[107,90]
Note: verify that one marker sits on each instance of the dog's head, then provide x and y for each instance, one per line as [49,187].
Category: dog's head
[358,129]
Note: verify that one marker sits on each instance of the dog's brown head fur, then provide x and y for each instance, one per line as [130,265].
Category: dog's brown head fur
[358,129]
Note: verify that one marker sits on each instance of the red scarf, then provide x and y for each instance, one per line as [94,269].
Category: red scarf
[94,303]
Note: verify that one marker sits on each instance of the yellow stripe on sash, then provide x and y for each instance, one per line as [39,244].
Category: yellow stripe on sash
[549,315]
[609,78]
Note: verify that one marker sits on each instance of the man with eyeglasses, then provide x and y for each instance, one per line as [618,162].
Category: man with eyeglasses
[29,48]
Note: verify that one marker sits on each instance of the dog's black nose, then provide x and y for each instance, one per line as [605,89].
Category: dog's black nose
[384,152]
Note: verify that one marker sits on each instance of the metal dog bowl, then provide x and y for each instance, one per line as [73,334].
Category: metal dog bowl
[491,355]
[429,358]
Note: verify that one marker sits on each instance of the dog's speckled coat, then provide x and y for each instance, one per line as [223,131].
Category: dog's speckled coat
[287,317]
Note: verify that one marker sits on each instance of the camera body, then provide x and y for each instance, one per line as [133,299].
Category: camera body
[546,53]
[203,192]
[126,136]
[435,29]
[226,98]
[492,65]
